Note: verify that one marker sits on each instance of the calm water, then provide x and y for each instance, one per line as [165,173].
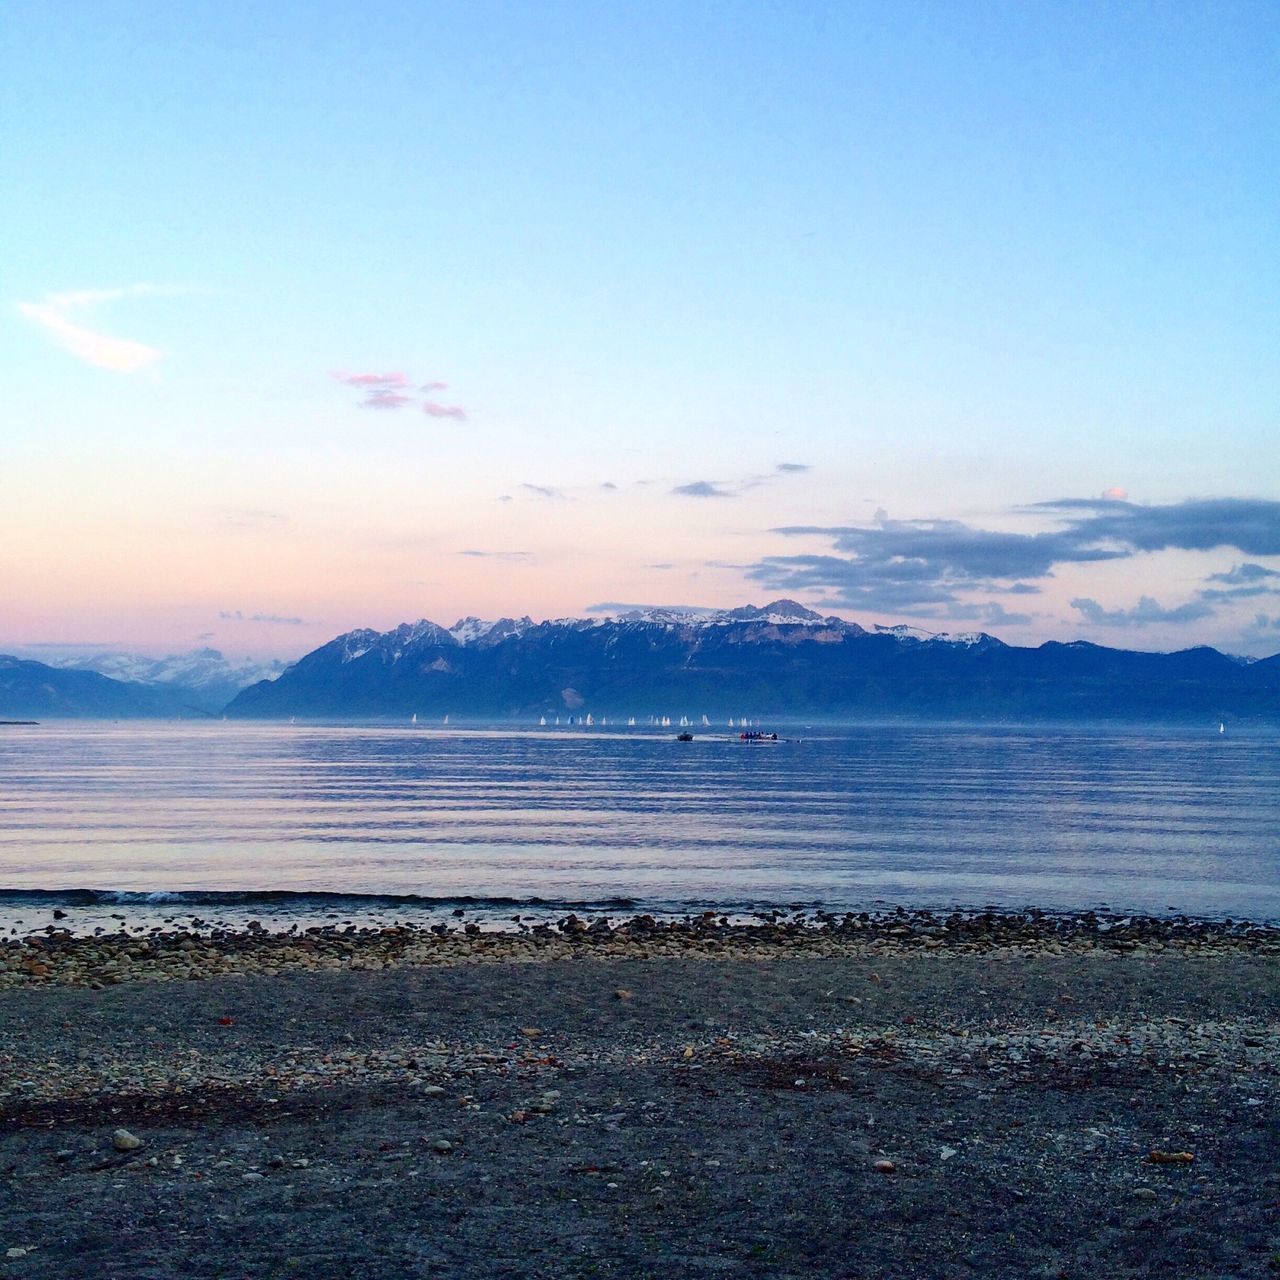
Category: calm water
[1164,821]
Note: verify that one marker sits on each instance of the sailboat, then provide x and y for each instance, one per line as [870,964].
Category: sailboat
[413,719]
[542,720]
[706,724]
[589,720]
[631,722]
[446,720]
[1222,728]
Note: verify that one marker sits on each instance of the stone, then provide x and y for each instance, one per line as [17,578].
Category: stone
[1143,1193]
[433,1091]
[885,1166]
[123,1140]
[442,1146]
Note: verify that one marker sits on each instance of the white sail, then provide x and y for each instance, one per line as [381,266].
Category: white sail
[542,720]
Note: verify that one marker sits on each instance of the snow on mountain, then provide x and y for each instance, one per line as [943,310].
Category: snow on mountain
[198,669]
[962,640]
[472,630]
[781,613]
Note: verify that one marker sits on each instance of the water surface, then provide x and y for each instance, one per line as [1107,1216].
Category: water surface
[1154,821]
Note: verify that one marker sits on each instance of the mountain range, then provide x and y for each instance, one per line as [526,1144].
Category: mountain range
[782,659]
[125,685]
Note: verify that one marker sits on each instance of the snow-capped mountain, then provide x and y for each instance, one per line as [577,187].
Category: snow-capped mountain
[204,676]
[780,658]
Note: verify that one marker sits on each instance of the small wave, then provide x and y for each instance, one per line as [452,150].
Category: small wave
[289,898]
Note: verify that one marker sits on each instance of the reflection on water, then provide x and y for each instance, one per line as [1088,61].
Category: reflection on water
[923,816]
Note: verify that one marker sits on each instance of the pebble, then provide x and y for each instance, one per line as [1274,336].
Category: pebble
[885,1166]
[442,1146]
[433,1091]
[123,1140]
[1143,1193]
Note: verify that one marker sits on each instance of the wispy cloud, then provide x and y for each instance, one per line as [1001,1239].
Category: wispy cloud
[434,410]
[104,351]
[271,619]
[703,489]
[498,555]
[394,391]
[541,490]
[251,518]
[734,488]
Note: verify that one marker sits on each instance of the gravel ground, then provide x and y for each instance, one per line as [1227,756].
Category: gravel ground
[929,1112]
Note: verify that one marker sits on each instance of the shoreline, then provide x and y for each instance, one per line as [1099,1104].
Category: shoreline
[53,955]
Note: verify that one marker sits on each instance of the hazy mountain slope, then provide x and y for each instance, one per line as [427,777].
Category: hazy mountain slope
[36,691]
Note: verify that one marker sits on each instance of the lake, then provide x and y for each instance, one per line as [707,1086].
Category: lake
[258,819]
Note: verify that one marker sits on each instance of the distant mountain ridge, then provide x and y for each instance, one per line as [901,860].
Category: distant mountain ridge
[203,677]
[123,685]
[779,659]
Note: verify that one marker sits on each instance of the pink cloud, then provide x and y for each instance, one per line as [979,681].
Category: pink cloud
[385,400]
[380,381]
[393,390]
[1115,494]
[433,410]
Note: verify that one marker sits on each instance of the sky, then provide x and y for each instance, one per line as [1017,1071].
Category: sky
[320,316]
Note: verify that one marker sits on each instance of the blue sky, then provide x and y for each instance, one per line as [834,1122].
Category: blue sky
[956,262]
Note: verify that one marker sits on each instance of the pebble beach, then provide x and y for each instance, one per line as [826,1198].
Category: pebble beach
[909,1094]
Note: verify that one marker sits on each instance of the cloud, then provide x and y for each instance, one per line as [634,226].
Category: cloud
[1245,581]
[703,489]
[1146,611]
[393,391]
[120,355]
[386,400]
[373,381]
[434,410]
[498,555]
[1115,494]
[1244,575]
[1251,525]
[919,565]
[734,488]
[271,619]
[541,490]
